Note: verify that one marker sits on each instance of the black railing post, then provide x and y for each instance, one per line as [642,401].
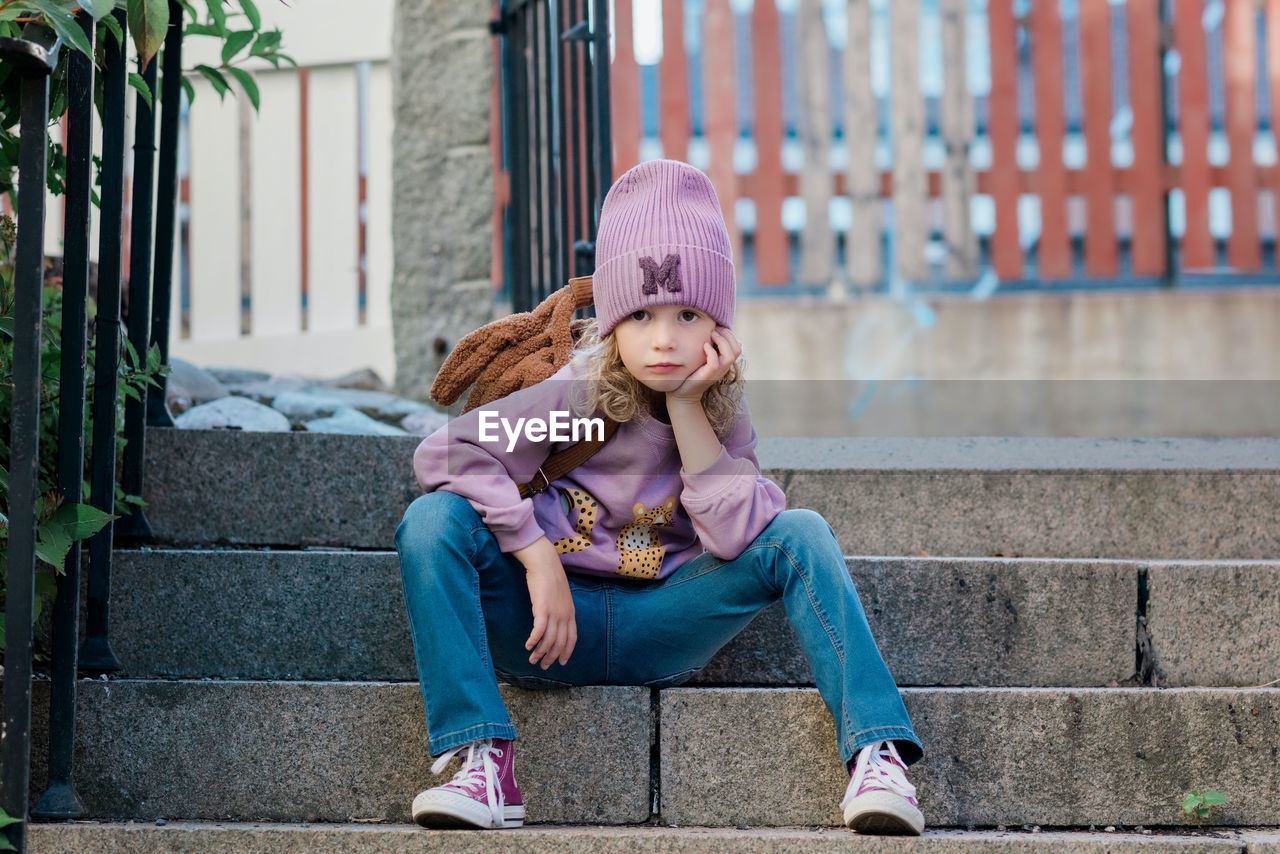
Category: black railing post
[603,151]
[158,414]
[30,58]
[59,799]
[95,652]
[134,524]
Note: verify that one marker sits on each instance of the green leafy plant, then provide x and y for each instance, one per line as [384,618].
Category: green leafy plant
[58,523]
[1199,805]
[238,30]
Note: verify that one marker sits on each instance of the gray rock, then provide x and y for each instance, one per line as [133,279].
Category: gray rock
[348,420]
[303,406]
[237,376]
[363,378]
[424,423]
[189,385]
[233,413]
[303,396]
[266,391]
[386,407]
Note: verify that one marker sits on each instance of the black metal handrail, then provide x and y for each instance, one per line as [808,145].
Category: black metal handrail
[32,58]
[556,145]
[33,61]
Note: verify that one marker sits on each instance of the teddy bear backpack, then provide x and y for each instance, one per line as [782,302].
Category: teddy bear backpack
[518,351]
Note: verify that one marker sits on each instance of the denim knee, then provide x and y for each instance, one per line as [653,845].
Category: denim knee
[801,524]
[434,518]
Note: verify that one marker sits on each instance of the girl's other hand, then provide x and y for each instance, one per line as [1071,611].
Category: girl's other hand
[555,631]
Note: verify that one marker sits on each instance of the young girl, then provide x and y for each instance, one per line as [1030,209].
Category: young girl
[637,566]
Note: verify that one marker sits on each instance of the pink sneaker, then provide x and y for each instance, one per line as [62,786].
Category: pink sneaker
[483,793]
[879,799]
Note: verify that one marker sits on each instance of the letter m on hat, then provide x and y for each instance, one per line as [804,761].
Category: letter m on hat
[667,275]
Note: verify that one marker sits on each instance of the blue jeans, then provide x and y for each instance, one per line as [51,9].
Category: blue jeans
[470,615]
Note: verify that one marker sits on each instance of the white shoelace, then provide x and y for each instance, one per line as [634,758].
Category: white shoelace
[478,769]
[875,760]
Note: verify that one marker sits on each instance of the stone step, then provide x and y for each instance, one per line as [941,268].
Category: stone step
[312,615]
[1042,497]
[269,838]
[345,751]
[246,614]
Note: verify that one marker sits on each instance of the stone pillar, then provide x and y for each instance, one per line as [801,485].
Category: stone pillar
[442,175]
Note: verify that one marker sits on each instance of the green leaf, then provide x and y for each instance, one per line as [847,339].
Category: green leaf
[202,30]
[5,818]
[99,9]
[236,42]
[81,520]
[1214,798]
[113,26]
[251,12]
[265,42]
[144,91]
[64,24]
[6,325]
[189,89]
[215,77]
[218,15]
[247,83]
[148,20]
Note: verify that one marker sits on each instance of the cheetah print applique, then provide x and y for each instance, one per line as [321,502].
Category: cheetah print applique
[638,544]
[588,511]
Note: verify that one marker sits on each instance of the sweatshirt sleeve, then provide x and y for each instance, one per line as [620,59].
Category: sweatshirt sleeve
[730,502]
[474,456]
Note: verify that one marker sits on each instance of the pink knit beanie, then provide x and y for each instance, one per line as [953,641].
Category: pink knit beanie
[662,241]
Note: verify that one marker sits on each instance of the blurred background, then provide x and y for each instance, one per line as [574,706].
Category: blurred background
[1011,217]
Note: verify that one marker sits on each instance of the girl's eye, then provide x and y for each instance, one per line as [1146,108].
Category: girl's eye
[638,314]
[693,314]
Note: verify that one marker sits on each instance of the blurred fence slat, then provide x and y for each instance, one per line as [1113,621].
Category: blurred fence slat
[721,122]
[1144,99]
[1095,84]
[624,92]
[1193,128]
[332,216]
[673,78]
[771,244]
[862,174]
[276,272]
[1046,32]
[213,140]
[958,184]
[1239,59]
[909,186]
[817,242]
[1272,43]
[1002,108]
[378,202]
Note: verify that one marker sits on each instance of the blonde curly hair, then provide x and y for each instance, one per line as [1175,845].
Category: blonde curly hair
[610,388]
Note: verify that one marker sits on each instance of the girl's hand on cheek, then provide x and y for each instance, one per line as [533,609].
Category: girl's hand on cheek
[721,351]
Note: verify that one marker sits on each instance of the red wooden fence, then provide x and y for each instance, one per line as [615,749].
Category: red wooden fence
[1111,194]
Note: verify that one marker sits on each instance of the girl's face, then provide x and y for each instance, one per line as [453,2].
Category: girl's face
[664,334]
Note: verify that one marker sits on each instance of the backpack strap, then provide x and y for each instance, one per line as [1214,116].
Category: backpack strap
[562,462]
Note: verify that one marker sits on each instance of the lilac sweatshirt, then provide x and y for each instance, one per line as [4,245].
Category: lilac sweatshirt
[630,510]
